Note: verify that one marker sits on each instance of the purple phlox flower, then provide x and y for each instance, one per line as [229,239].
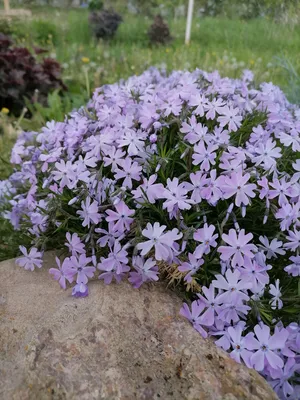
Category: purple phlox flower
[30,260]
[230,116]
[212,303]
[211,192]
[124,123]
[282,189]
[96,144]
[199,101]
[293,240]
[171,104]
[236,184]
[294,337]
[198,181]
[290,139]
[110,274]
[59,274]
[233,160]
[195,316]
[266,154]
[115,265]
[152,190]
[234,286]
[50,158]
[162,242]
[207,238]
[135,144]
[230,165]
[286,349]
[239,351]
[296,167]
[276,301]
[74,244]
[108,114]
[153,138]
[65,174]
[80,290]
[256,273]
[286,214]
[81,171]
[281,384]
[145,270]
[113,157]
[191,266]
[195,132]
[271,248]
[108,237]
[79,266]
[265,347]
[89,160]
[233,311]
[258,134]
[130,171]
[18,151]
[121,217]
[224,339]
[148,115]
[176,196]
[294,268]
[238,247]
[216,106]
[89,212]
[220,136]
[205,156]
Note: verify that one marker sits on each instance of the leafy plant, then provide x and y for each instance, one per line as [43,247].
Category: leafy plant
[44,31]
[22,76]
[105,23]
[56,109]
[159,32]
[293,88]
[5,26]
[95,5]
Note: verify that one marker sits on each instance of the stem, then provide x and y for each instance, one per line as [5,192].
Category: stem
[87,82]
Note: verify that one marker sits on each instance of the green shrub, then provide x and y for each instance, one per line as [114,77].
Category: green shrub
[159,32]
[105,23]
[5,26]
[44,31]
[95,5]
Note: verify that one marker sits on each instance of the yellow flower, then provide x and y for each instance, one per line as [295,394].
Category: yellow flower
[85,60]
[252,62]
[168,50]
[5,110]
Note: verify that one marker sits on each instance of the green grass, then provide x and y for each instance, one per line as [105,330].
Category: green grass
[217,43]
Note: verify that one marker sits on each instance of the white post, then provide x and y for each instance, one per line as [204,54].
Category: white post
[189,22]
[6,5]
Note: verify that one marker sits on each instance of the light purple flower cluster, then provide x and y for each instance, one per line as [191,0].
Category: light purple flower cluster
[192,175]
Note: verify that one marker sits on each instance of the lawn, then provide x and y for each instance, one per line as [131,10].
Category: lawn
[217,43]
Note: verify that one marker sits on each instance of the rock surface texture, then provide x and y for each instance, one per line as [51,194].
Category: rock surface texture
[118,343]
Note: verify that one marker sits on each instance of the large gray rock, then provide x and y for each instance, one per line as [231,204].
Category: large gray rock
[118,343]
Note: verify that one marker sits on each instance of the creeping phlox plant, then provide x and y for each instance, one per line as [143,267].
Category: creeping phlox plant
[191,177]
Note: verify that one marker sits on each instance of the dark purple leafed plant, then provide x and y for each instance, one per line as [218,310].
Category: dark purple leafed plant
[189,177]
[23,77]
